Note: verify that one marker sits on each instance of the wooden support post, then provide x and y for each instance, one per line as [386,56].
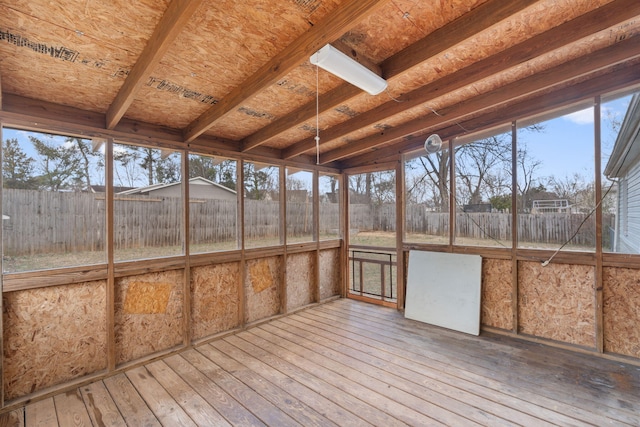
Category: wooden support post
[111,281]
[400,232]
[241,243]
[316,235]
[514,227]
[282,179]
[1,276]
[186,318]
[598,285]
[452,193]
[344,228]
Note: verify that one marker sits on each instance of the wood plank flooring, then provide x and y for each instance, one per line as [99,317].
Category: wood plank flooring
[348,363]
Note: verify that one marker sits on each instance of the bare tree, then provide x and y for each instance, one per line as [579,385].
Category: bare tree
[259,183]
[376,187]
[478,168]
[430,180]
[528,181]
[579,190]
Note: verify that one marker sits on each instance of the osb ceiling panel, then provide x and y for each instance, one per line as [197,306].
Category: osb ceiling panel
[41,57]
[395,27]
[402,23]
[484,44]
[198,66]
[239,71]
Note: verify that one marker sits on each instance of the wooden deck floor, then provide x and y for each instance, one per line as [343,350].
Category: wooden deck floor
[349,363]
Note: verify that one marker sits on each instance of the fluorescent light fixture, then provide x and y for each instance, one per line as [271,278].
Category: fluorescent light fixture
[331,59]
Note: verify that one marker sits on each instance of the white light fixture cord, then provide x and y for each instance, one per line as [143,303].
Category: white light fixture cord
[317,138]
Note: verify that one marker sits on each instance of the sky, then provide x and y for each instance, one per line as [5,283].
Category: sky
[566,145]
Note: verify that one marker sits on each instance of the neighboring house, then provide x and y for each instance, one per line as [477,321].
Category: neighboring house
[199,188]
[624,166]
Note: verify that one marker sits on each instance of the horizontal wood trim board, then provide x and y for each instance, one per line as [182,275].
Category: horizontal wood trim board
[41,279]
[30,114]
[302,247]
[372,301]
[255,253]
[329,244]
[211,258]
[34,280]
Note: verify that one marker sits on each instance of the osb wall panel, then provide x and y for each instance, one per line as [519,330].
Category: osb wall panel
[300,280]
[262,295]
[557,302]
[621,306]
[214,299]
[148,314]
[497,309]
[330,276]
[53,335]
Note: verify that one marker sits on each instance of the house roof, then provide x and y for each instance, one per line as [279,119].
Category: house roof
[103,189]
[235,77]
[626,149]
[198,180]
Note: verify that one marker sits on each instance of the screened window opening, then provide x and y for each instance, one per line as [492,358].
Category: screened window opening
[261,205]
[53,201]
[148,202]
[213,204]
[299,205]
[427,198]
[329,193]
[556,182]
[483,191]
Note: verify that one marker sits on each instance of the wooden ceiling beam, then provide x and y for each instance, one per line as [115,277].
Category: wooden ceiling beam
[618,77]
[33,114]
[464,27]
[331,28]
[173,21]
[571,31]
[442,39]
[619,52]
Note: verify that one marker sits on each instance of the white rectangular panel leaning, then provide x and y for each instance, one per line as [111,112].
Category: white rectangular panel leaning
[443,289]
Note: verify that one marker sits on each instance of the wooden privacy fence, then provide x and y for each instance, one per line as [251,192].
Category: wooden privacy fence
[53,222]
[50,222]
[554,228]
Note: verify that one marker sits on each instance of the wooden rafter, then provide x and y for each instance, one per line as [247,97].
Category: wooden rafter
[557,37]
[172,23]
[476,20]
[624,75]
[331,28]
[622,51]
